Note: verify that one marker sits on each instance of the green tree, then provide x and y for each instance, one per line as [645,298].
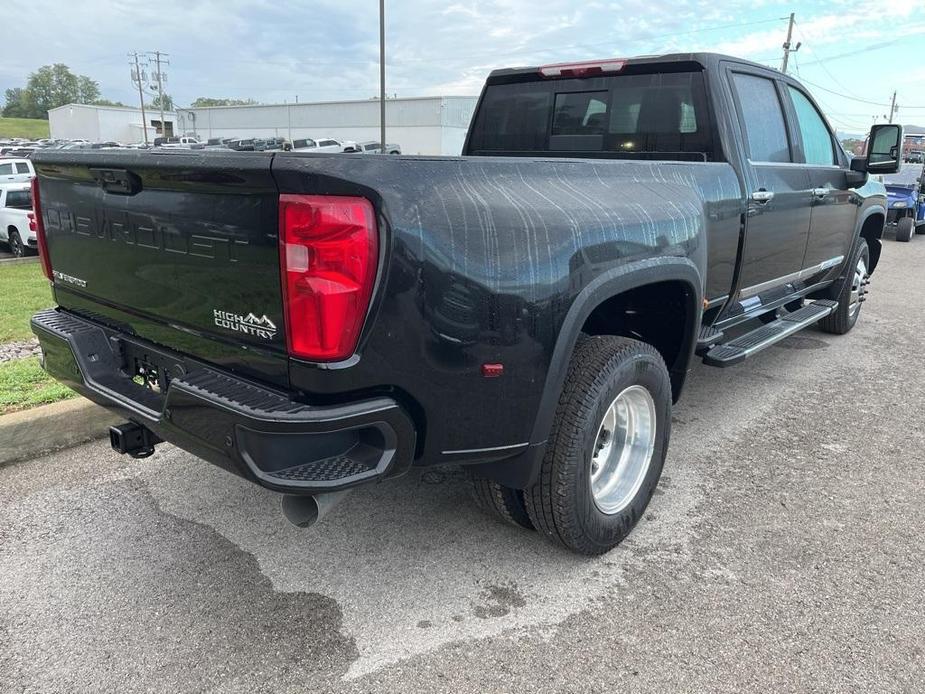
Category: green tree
[156,102]
[15,105]
[88,91]
[108,102]
[49,87]
[204,101]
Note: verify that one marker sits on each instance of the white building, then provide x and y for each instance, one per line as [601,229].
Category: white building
[425,125]
[107,123]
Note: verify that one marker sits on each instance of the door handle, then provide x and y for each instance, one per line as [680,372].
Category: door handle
[820,193]
[763,196]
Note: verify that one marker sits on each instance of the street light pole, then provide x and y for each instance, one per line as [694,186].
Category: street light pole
[382,75]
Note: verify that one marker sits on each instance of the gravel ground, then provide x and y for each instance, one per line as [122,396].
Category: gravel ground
[19,350]
[782,552]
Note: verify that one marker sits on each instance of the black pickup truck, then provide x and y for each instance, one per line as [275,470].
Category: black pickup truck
[528,310]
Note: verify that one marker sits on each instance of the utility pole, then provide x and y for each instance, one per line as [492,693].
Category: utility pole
[138,77]
[787,49]
[161,78]
[382,74]
[893,108]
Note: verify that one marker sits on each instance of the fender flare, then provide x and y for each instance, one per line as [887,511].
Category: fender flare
[873,243]
[603,287]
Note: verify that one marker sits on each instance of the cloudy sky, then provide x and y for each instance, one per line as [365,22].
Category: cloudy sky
[854,53]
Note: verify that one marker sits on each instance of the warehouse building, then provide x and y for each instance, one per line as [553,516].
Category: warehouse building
[106,123]
[426,125]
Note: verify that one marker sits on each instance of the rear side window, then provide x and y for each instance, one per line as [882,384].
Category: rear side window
[22,167]
[762,118]
[655,116]
[817,140]
[20,199]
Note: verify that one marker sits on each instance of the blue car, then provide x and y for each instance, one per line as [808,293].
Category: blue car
[906,193]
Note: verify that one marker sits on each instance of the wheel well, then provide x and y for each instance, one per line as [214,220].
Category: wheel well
[871,231]
[660,314]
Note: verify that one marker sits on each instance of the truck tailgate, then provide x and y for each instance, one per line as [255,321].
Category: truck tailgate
[178,247]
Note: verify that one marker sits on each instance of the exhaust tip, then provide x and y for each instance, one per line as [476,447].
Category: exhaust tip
[301,511]
[305,511]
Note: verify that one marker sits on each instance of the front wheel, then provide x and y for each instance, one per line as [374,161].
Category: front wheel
[852,295]
[905,229]
[607,445]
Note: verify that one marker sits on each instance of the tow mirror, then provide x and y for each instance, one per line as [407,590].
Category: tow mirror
[884,151]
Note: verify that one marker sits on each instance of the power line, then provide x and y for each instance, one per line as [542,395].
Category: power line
[846,96]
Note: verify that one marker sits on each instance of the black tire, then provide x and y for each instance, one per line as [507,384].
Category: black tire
[561,504]
[920,228]
[905,229]
[842,319]
[16,245]
[501,502]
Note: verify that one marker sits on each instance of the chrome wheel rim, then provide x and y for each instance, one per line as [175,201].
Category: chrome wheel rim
[623,449]
[16,246]
[857,287]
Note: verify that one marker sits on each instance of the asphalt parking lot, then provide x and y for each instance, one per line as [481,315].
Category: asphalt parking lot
[783,552]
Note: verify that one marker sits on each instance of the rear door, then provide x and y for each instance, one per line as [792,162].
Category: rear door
[778,195]
[833,211]
[7,172]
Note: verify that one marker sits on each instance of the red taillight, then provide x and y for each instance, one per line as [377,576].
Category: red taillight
[37,225]
[588,68]
[329,253]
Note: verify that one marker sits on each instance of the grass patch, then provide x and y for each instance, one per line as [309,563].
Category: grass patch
[24,384]
[31,128]
[23,292]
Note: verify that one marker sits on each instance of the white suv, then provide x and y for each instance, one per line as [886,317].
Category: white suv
[16,171]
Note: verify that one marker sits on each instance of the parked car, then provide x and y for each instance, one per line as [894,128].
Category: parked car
[304,144]
[374,147]
[332,145]
[906,194]
[324,145]
[246,145]
[17,221]
[915,157]
[184,142]
[529,310]
[275,143]
[16,171]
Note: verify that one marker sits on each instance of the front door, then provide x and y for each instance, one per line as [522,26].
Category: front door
[834,210]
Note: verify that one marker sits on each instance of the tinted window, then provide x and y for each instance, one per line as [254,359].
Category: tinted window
[22,167]
[327,143]
[6,169]
[21,199]
[661,114]
[763,118]
[580,113]
[817,140]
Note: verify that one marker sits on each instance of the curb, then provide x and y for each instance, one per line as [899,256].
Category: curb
[19,261]
[31,432]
